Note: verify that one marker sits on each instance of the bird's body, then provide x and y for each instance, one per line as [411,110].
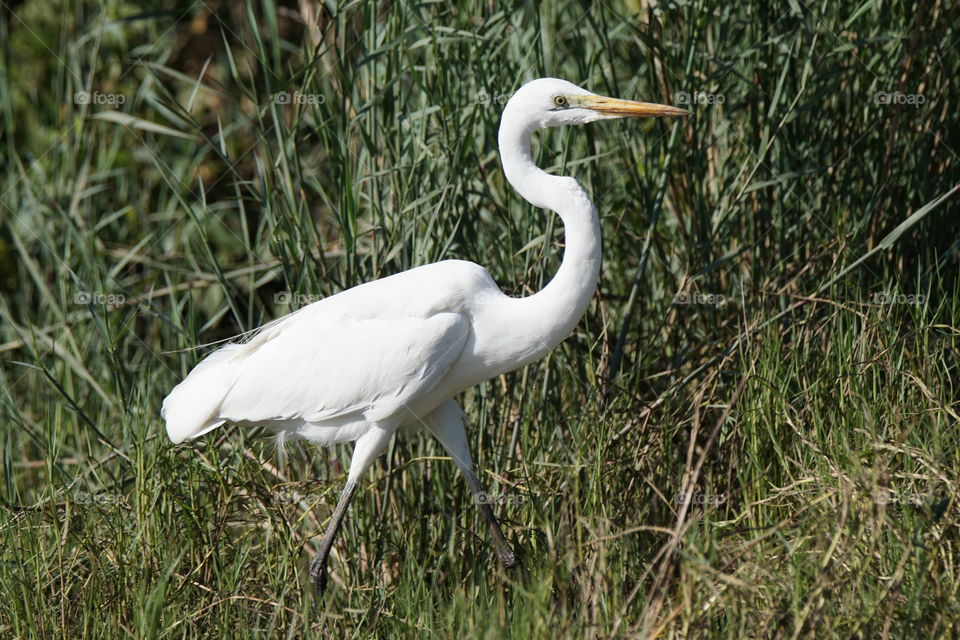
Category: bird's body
[414,328]
[386,352]
[392,353]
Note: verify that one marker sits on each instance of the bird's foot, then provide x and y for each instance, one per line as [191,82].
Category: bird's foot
[510,560]
[318,576]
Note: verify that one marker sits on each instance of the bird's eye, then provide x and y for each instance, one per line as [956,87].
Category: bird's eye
[560,101]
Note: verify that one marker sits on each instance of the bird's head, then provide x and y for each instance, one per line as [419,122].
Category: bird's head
[550,102]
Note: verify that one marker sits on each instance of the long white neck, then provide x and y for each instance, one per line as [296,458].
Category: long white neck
[543,320]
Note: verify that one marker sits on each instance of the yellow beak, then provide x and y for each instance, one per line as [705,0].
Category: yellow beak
[629,108]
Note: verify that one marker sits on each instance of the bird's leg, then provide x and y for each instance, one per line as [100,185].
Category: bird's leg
[446,423]
[508,558]
[368,447]
[318,567]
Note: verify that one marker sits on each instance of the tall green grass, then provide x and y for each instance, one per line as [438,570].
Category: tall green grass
[750,434]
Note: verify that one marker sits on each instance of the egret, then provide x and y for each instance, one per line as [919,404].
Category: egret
[392,354]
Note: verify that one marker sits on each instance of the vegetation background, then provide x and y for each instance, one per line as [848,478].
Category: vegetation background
[752,434]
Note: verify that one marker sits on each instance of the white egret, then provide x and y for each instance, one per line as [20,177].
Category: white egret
[391,354]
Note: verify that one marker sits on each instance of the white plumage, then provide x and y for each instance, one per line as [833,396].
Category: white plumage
[351,360]
[392,353]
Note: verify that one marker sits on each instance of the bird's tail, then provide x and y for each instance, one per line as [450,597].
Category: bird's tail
[193,407]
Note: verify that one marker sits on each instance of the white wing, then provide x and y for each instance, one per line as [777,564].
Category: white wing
[367,352]
[328,367]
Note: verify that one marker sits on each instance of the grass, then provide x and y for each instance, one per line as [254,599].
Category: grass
[752,433]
